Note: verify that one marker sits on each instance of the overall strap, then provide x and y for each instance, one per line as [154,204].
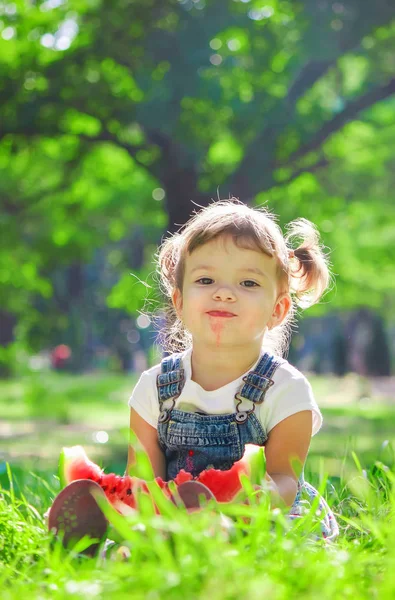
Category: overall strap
[171,379]
[256,383]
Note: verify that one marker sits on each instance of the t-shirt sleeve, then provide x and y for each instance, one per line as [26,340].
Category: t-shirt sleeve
[144,399]
[290,395]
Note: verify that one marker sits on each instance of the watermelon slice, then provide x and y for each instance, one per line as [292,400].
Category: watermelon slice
[74,464]
[225,485]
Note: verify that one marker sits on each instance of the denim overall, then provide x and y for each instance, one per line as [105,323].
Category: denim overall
[194,441]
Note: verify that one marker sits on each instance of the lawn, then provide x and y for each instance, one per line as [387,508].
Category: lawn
[189,556]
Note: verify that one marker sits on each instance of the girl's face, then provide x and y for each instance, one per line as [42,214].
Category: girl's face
[230,295]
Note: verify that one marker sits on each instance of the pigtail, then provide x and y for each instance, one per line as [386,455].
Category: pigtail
[309,271]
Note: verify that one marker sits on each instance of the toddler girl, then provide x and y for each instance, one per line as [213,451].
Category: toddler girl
[233,282]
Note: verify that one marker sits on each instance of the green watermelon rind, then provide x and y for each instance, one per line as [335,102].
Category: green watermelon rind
[67,456]
[62,468]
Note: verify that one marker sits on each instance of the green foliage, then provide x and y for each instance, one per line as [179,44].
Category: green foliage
[285,102]
[131,293]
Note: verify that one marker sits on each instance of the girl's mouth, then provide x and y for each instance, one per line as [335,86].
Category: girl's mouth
[220,313]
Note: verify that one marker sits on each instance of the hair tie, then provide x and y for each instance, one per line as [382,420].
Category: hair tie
[291,254]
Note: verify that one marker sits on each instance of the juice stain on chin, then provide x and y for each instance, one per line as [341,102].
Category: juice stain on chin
[217,326]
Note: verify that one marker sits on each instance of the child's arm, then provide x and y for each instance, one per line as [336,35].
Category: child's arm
[288,442]
[148,437]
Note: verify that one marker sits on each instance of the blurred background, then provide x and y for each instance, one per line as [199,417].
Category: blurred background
[118,118]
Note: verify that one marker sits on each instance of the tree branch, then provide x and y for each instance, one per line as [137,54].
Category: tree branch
[320,164]
[349,113]
[104,136]
[311,72]
[262,149]
[259,157]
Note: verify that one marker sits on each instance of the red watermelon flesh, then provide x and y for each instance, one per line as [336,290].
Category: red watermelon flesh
[123,489]
[74,464]
[182,476]
[225,485]
[118,488]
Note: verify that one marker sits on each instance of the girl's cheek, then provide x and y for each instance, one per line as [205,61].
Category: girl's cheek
[196,297]
[252,320]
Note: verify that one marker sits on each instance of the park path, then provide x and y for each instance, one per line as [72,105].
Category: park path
[43,439]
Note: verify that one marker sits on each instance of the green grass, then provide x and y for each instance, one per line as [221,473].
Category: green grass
[42,413]
[187,556]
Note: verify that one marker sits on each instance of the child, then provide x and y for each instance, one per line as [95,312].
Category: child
[232,282]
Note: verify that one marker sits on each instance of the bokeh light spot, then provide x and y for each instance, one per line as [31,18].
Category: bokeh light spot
[48,40]
[216,59]
[143,321]
[257,14]
[158,194]
[215,44]
[63,43]
[101,437]
[8,33]
[133,336]
[234,45]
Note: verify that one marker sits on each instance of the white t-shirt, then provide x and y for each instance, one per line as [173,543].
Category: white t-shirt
[290,394]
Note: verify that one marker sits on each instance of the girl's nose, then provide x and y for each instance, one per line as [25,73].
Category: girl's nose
[223,294]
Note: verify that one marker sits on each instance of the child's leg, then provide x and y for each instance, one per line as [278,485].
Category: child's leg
[75,514]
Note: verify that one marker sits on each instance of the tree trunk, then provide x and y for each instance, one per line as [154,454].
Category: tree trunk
[7,324]
[183,197]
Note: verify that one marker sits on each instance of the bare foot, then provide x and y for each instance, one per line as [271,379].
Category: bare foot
[75,514]
[191,493]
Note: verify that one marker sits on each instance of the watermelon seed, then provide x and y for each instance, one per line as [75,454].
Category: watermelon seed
[128,492]
[113,490]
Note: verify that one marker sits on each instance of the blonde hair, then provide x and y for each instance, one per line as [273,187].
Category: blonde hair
[302,266]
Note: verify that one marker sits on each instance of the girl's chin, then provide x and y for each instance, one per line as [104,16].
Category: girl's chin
[224,340]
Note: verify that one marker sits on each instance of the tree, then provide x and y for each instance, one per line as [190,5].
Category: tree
[184,98]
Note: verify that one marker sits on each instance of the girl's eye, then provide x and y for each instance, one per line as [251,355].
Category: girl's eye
[245,283]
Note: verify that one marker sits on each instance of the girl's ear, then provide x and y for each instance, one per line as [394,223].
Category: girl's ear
[280,310]
[176,298]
